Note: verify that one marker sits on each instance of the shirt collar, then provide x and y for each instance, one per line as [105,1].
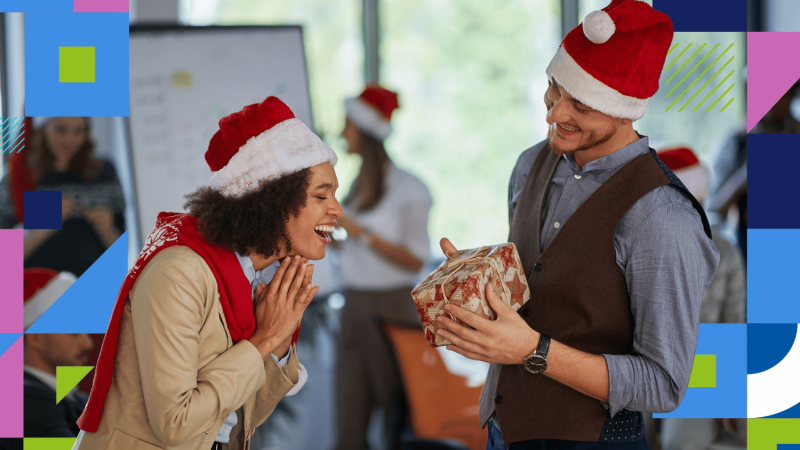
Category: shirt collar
[46,378]
[256,277]
[613,160]
[247,267]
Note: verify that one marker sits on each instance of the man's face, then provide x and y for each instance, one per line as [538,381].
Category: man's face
[61,349]
[321,210]
[573,126]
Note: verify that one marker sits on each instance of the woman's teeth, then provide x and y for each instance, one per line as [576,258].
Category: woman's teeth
[325,228]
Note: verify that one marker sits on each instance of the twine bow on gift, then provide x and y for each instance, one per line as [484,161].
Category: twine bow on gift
[472,259]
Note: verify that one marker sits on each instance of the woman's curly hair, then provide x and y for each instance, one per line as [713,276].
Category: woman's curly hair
[257,220]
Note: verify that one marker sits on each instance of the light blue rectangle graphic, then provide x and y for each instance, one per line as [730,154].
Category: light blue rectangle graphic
[729,398]
[45,33]
[773,271]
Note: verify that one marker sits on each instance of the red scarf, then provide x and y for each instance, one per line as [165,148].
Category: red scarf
[235,295]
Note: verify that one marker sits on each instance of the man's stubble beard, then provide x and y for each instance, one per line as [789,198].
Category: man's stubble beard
[586,144]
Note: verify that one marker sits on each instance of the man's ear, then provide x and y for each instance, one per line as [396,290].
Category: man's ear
[627,122]
[33,341]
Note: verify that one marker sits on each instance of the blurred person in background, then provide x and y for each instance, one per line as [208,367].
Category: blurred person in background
[723,302]
[779,119]
[43,353]
[60,157]
[386,218]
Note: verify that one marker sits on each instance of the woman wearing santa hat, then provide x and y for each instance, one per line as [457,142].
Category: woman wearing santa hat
[60,157]
[386,218]
[199,349]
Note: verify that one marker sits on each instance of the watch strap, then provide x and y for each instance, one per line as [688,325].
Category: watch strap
[544,346]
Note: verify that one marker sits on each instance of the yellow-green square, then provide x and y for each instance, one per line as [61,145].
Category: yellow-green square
[76,64]
[704,371]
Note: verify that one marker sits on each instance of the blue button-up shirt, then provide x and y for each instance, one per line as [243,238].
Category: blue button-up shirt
[667,261]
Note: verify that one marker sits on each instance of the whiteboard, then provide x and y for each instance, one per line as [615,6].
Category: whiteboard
[183,80]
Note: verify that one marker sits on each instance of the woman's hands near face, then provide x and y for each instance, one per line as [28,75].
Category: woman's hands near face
[102,219]
[279,305]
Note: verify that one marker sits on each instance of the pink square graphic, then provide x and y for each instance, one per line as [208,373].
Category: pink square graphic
[11,301]
[101,6]
[772,68]
[11,425]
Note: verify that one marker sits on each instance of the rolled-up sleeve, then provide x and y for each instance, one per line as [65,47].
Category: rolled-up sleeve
[671,263]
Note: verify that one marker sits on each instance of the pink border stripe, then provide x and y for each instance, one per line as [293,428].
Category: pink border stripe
[101,6]
[11,417]
[771,69]
[11,281]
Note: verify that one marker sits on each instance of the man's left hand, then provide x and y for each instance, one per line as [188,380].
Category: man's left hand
[506,340]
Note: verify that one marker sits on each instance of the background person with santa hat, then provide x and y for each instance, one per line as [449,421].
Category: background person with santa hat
[199,348]
[386,218]
[725,301]
[59,156]
[43,353]
[618,254]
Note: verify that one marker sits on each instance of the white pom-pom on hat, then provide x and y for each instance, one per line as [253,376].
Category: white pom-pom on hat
[598,26]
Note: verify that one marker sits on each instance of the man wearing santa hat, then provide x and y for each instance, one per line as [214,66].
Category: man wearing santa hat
[200,349]
[43,353]
[617,252]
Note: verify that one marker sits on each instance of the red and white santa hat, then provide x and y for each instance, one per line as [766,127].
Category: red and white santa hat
[372,111]
[684,163]
[613,60]
[263,141]
[42,287]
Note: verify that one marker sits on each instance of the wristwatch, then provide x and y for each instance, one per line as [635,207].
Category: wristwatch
[536,362]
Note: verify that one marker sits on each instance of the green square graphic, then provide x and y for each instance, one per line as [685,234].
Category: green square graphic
[704,371]
[76,64]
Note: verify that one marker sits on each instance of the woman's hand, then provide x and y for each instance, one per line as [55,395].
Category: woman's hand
[279,306]
[67,205]
[102,220]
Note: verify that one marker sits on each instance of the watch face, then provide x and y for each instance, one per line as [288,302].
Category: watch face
[535,364]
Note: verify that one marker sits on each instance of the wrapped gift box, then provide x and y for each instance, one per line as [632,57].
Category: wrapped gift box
[461,281]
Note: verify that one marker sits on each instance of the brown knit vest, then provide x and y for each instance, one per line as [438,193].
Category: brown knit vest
[579,298]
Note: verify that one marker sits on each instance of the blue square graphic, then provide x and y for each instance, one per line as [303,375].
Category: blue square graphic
[729,399]
[772,295]
[107,33]
[705,15]
[12,6]
[49,5]
[42,210]
[769,194]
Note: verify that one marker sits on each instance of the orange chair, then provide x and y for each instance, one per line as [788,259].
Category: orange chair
[441,405]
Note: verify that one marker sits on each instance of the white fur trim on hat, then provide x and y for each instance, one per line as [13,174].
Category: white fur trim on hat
[591,91]
[285,148]
[46,296]
[598,26]
[367,118]
[695,178]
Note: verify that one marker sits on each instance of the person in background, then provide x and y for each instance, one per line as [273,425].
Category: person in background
[44,417]
[60,157]
[723,302]
[779,119]
[386,218]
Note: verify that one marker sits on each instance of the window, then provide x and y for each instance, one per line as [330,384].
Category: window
[334,51]
[471,76]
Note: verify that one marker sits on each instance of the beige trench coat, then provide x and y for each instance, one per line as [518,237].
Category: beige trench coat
[177,373]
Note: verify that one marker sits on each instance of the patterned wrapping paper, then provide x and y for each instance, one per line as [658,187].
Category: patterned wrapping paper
[461,281]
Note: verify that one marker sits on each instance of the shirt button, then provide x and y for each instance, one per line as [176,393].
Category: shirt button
[498,398]
[556,225]
[537,267]
[577,177]
[525,313]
